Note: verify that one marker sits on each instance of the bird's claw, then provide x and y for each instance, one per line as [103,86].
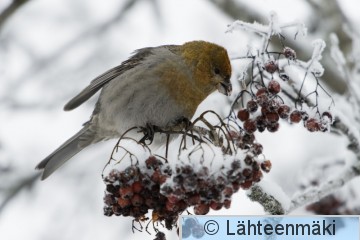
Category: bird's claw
[149,132]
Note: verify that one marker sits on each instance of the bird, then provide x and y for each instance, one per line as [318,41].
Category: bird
[155,86]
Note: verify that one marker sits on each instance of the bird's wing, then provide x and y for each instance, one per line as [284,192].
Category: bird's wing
[106,77]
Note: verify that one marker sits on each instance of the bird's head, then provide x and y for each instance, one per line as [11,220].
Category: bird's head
[210,65]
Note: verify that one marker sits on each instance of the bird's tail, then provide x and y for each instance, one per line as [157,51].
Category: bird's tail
[68,149]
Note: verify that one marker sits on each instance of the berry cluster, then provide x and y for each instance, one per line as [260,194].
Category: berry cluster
[272,109]
[155,186]
[192,227]
[135,190]
[312,124]
[265,99]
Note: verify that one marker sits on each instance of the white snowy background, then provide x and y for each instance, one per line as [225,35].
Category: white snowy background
[50,50]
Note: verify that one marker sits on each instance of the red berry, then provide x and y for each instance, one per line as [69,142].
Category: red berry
[283,111]
[266,166]
[123,203]
[227,203]
[257,149]
[194,199]
[243,114]
[152,162]
[228,191]
[173,198]
[171,207]
[216,205]
[295,116]
[274,87]
[251,106]
[289,53]
[246,185]
[201,209]
[261,91]
[126,192]
[262,100]
[248,138]
[137,200]
[250,126]
[272,117]
[271,66]
[246,172]
[150,203]
[257,175]
[273,127]
[137,186]
[158,177]
[248,160]
[235,186]
[260,123]
[313,125]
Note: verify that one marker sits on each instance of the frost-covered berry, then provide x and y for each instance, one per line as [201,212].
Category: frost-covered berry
[274,87]
[243,114]
[262,100]
[313,125]
[260,123]
[246,185]
[123,203]
[295,116]
[250,126]
[289,53]
[273,127]
[271,66]
[137,200]
[126,192]
[201,209]
[214,205]
[251,106]
[266,166]
[284,111]
[137,186]
[272,117]
[261,91]
[257,149]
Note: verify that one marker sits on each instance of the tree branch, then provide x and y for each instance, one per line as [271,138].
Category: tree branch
[334,80]
[10,10]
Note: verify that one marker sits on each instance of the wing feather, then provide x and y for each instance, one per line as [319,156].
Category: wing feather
[106,77]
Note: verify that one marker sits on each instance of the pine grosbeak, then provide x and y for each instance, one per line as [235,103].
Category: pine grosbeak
[157,86]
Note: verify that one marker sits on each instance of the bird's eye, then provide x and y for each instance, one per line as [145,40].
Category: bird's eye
[217,71]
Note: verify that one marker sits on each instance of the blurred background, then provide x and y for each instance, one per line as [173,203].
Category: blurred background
[50,50]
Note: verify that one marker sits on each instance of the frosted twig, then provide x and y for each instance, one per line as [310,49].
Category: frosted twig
[316,193]
[267,31]
[270,204]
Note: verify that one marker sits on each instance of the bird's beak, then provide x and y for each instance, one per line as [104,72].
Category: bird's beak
[225,87]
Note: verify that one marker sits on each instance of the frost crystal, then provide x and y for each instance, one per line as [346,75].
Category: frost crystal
[336,54]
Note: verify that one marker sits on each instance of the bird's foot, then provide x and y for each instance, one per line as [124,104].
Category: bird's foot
[149,132]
